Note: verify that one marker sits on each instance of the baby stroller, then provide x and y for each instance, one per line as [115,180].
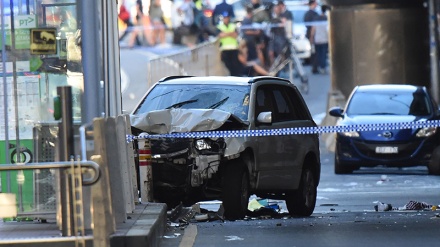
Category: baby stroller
[289,57]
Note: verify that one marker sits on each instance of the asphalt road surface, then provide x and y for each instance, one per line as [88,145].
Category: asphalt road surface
[344,215]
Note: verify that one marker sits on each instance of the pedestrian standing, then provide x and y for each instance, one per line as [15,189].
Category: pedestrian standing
[142,24]
[221,8]
[251,35]
[186,10]
[286,18]
[157,23]
[319,38]
[227,34]
[124,15]
[309,17]
[260,13]
[278,44]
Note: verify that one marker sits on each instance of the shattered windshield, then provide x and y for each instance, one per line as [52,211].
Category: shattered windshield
[229,98]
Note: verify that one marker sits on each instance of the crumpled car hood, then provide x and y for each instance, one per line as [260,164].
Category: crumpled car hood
[180,120]
[188,120]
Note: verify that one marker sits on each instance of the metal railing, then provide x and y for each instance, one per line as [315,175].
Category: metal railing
[202,60]
[205,60]
[56,165]
[72,216]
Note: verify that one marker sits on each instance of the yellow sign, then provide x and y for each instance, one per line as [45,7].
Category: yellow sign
[43,41]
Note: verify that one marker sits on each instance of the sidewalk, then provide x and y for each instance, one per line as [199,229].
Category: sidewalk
[144,227]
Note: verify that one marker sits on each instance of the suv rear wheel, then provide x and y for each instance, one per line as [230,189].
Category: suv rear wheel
[235,190]
[302,201]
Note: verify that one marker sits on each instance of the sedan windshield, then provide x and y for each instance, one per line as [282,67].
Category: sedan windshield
[229,98]
[389,103]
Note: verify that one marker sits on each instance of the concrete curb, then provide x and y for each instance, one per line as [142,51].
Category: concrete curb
[145,228]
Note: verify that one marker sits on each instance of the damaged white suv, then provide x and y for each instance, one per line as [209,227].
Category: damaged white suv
[191,169]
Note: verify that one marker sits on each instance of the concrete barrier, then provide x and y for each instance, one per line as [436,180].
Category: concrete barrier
[335,98]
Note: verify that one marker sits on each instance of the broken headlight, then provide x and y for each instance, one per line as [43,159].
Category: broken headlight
[210,145]
[202,144]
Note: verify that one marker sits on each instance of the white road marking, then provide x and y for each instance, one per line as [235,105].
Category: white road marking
[125,81]
[233,238]
[189,236]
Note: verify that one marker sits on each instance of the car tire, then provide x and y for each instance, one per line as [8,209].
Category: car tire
[301,202]
[434,164]
[342,169]
[235,191]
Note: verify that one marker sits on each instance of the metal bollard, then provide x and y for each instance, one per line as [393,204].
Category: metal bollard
[65,151]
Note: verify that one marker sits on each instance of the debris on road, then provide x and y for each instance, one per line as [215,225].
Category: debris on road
[383,179]
[257,209]
[411,205]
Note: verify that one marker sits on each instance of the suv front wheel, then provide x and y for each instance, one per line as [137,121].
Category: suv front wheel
[301,202]
[235,190]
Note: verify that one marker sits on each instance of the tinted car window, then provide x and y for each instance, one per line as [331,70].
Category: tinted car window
[395,103]
[282,101]
[301,113]
[284,109]
[264,102]
[229,98]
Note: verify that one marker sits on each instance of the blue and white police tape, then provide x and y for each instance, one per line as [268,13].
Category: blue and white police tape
[268,25]
[291,131]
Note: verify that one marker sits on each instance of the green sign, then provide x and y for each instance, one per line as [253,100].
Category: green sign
[21,21]
[22,39]
[16,178]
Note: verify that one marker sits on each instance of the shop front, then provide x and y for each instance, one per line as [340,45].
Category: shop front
[41,50]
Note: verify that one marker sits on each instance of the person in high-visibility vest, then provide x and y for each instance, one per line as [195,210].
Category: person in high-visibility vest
[229,45]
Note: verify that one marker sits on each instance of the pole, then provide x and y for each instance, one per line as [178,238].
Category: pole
[91,106]
[66,150]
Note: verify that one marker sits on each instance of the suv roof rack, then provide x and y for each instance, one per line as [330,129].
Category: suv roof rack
[167,78]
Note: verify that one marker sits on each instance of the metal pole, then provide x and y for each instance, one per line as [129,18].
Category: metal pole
[5,98]
[66,150]
[111,64]
[66,126]
[433,25]
[91,29]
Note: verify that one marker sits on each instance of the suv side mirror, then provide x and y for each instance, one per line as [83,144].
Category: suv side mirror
[265,117]
[336,112]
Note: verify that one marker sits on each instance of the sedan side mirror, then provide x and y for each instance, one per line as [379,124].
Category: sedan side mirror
[265,117]
[336,112]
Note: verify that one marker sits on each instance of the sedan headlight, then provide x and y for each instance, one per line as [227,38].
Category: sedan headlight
[202,145]
[350,134]
[426,132]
